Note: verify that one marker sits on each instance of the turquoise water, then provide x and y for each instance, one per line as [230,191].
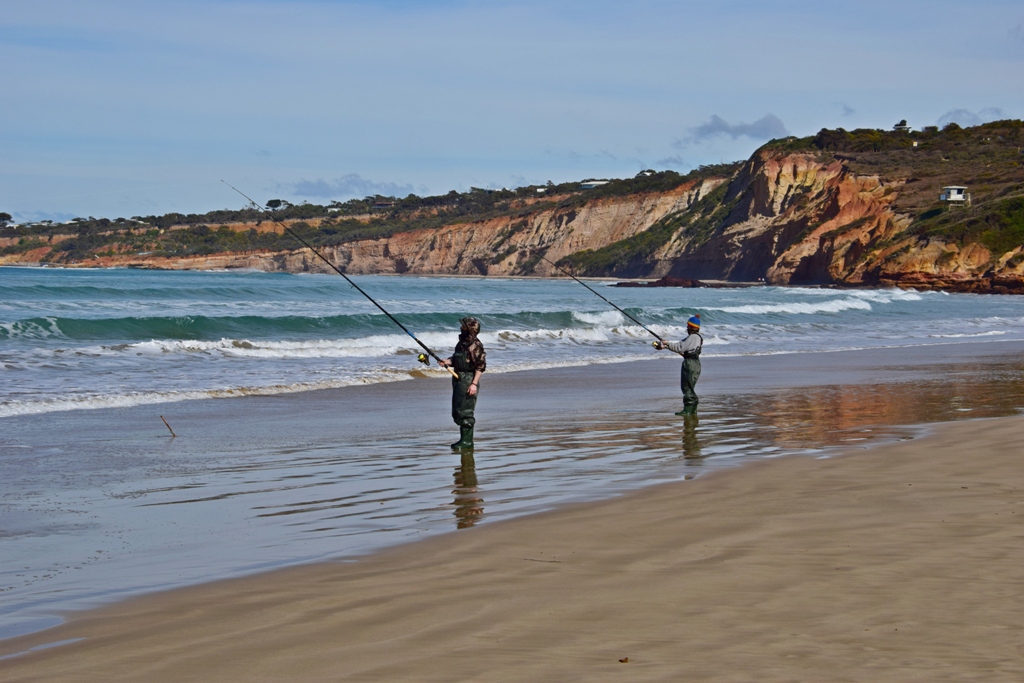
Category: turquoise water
[77,339]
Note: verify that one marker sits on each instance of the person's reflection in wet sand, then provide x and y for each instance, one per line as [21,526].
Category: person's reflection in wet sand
[691,440]
[468,503]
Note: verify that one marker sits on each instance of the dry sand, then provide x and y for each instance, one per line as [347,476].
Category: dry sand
[900,563]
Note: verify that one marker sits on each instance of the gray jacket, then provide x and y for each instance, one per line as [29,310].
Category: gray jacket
[689,347]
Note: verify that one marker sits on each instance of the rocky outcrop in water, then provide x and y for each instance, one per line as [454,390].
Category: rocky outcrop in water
[666,281]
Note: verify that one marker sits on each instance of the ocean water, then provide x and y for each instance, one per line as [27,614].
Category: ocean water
[80,339]
[98,502]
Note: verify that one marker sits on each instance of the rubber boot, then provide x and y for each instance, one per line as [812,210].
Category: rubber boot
[467,438]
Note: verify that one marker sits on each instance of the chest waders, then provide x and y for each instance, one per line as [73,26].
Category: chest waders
[688,377]
[463,405]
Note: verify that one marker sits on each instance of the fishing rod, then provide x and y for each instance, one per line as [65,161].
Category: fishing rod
[542,258]
[422,358]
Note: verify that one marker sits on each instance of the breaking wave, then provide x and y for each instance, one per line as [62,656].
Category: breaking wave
[99,339]
[800,308]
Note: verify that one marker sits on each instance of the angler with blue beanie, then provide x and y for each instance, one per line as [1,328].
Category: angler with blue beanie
[689,349]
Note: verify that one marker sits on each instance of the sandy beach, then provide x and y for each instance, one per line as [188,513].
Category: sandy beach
[899,563]
[520,350]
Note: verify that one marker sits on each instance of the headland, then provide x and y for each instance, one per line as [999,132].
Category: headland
[859,208]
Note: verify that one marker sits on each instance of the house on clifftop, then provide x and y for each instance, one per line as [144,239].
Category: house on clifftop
[955,194]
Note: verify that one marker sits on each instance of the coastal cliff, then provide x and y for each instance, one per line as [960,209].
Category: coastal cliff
[855,209]
[514,245]
[798,212]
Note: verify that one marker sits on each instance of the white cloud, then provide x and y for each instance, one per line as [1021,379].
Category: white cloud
[965,118]
[347,187]
[765,128]
[674,161]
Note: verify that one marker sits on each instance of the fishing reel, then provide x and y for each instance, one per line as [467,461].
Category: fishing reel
[423,358]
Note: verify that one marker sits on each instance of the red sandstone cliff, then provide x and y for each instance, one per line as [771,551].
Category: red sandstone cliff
[799,219]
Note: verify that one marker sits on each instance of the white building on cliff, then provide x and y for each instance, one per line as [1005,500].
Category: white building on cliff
[955,194]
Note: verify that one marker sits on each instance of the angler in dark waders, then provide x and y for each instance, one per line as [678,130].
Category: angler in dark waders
[689,349]
[470,361]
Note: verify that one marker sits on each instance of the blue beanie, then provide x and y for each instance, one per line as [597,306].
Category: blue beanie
[694,321]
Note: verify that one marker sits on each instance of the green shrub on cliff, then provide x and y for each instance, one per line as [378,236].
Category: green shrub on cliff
[24,244]
[649,181]
[1007,132]
[999,225]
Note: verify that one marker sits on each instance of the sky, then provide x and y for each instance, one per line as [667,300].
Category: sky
[120,108]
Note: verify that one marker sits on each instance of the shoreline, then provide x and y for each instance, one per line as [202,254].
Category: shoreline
[117,402]
[548,438]
[846,568]
[966,287]
[453,276]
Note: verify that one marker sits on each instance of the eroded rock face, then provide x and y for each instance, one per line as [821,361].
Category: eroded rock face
[798,220]
[511,246]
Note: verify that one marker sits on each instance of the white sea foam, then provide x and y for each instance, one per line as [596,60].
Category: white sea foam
[127,400]
[30,329]
[879,295]
[604,318]
[798,308]
[378,345]
[371,346]
[849,300]
[374,346]
[990,333]
[885,295]
[570,334]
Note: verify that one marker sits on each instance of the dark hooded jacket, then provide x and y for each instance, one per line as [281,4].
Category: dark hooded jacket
[469,353]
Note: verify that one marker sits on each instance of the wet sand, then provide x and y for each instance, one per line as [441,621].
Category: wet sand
[903,562]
